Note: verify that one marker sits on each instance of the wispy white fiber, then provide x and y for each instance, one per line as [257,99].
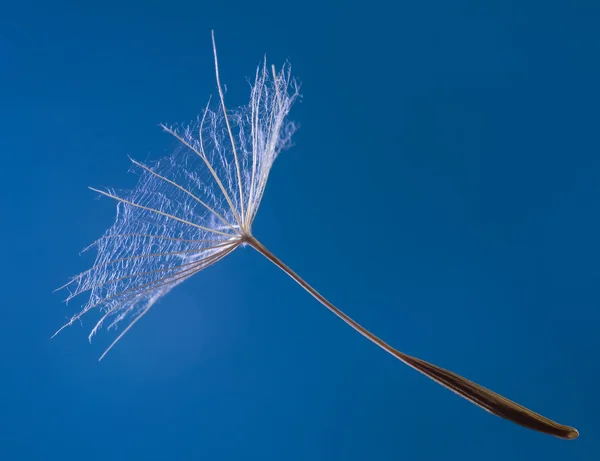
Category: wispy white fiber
[192,209]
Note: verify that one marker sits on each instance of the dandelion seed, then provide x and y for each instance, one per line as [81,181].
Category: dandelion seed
[191,210]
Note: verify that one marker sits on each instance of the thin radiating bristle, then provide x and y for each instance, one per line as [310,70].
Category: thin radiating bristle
[191,209]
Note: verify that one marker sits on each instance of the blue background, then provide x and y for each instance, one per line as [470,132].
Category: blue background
[443,191]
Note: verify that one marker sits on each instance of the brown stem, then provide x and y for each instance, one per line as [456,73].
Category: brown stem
[484,398]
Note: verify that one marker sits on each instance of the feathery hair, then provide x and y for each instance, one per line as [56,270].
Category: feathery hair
[192,209]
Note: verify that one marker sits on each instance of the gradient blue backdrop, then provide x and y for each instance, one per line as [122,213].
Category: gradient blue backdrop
[443,190]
